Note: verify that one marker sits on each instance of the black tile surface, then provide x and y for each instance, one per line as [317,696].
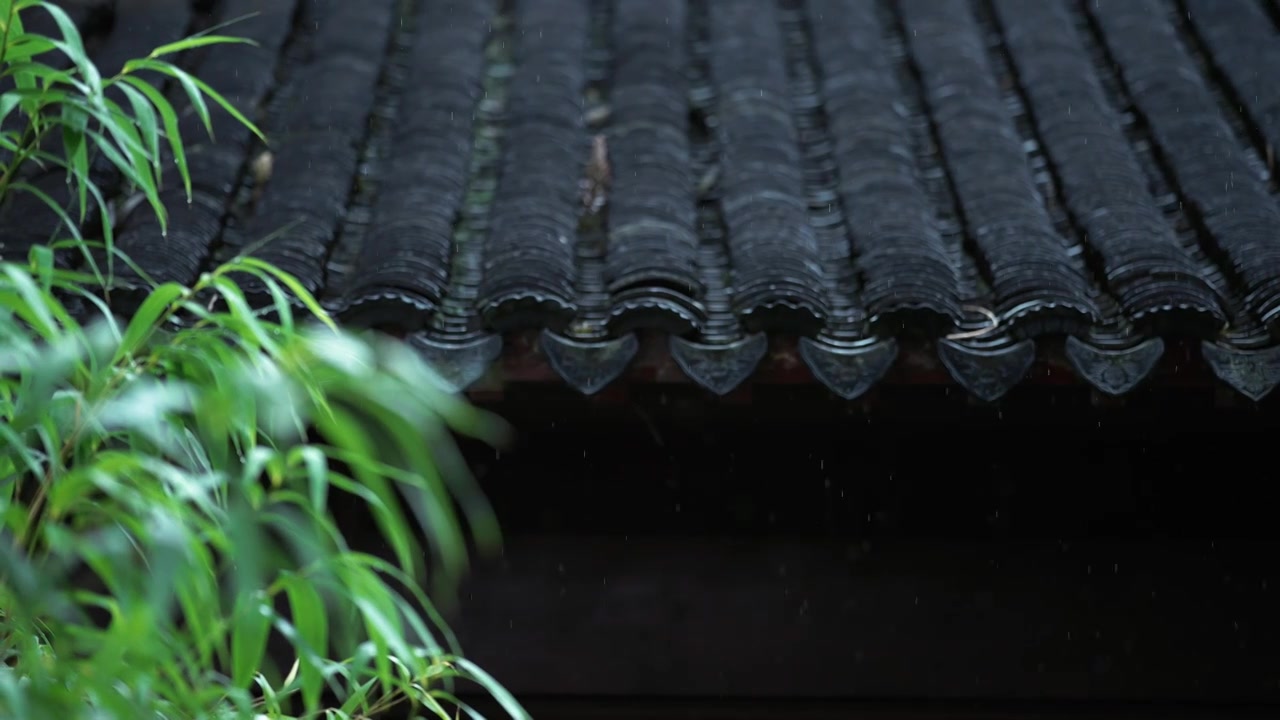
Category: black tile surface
[983,175]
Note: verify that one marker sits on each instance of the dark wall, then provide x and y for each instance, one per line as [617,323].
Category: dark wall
[920,463]
[796,549]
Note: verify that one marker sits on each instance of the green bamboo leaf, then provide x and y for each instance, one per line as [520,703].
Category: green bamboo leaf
[73,47]
[310,618]
[67,26]
[197,41]
[372,599]
[16,446]
[489,683]
[269,702]
[431,701]
[317,474]
[189,85]
[142,180]
[26,46]
[311,537]
[169,118]
[244,317]
[200,610]
[41,260]
[74,123]
[36,304]
[158,306]
[66,84]
[413,587]
[9,141]
[279,301]
[453,701]
[197,90]
[115,122]
[344,430]
[9,101]
[108,147]
[231,109]
[51,76]
[123,130]
[301,293]
[426,496]
[167,560]
[79,154]
[145,115]
[252,626]
[358,699]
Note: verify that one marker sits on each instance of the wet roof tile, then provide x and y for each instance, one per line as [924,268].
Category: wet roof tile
[983,175]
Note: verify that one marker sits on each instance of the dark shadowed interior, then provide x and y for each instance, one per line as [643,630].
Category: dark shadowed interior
[931,560]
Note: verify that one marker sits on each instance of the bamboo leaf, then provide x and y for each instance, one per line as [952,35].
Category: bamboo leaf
[310,618]
[145,116]
[301,293]
[197,41]
[169,119]
[249,640]
[189,85]
[160,303]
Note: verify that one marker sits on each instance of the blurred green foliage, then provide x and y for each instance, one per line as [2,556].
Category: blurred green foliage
[168,481]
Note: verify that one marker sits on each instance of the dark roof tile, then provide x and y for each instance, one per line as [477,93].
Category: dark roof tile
[860,174]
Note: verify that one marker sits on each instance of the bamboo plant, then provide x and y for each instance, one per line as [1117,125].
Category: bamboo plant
[168,543]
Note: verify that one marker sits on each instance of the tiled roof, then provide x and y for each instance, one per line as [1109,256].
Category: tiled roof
[982,176]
